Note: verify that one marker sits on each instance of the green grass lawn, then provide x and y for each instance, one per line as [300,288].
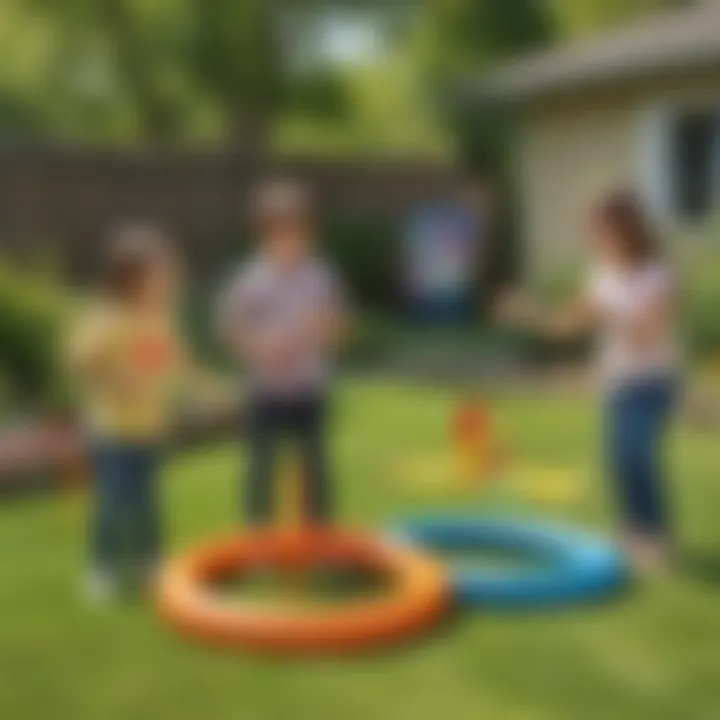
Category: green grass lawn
[654,653]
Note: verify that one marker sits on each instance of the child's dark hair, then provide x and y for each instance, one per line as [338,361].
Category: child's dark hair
[622,213]
[132,251]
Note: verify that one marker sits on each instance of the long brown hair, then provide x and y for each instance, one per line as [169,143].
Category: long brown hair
[622,214]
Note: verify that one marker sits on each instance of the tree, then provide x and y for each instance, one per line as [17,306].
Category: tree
[155,70]
[588,16]
[463,35]
[458,39]
[101,70]
[234,54]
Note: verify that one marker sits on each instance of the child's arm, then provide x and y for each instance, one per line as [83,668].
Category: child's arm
[207,386]
[576,318]
[332,325]
[330,328]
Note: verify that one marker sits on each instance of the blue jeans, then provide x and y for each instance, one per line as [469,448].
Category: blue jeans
[126,522]
[636,419]
[271,420]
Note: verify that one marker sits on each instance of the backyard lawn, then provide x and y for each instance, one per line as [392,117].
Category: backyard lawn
[653,653]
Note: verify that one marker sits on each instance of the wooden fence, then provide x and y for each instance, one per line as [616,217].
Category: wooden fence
[60,200]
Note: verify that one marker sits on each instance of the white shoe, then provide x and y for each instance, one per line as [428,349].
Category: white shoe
[100,587]
[650,555]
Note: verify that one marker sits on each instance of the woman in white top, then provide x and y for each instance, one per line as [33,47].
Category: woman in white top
[630,299]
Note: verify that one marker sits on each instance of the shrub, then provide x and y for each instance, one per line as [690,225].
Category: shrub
[33,310]
[366,248]
[700,294]
[371,338]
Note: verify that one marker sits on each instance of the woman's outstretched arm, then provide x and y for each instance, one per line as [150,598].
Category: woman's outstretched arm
[577,317]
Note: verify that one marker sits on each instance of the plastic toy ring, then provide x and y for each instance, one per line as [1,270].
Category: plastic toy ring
[418,595]
[567,566]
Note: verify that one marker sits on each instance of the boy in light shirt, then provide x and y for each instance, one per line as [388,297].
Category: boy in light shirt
[283,315]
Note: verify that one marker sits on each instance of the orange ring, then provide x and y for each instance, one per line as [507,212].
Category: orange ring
[418,598]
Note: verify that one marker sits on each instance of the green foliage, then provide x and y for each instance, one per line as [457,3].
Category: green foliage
[181,71]
[367,249]
[33,311]
[372,337]
[700,295]
[582,18]
[233,52]
[463,36]
[382,107]
[320,94]
[458,40]
[160,71]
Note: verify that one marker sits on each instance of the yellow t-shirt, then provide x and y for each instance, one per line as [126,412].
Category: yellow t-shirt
[128,364]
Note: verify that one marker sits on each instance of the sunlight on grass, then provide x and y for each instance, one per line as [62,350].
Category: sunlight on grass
[652,653]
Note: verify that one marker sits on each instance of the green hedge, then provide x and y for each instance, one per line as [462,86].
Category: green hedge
[33,313]
[701,312]
[367,249]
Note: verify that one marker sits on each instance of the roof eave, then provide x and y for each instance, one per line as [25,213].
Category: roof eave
[509,87]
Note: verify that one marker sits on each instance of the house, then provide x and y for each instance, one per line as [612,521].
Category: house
[639,107]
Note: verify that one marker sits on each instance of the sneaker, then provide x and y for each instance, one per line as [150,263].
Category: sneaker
[100,587]
[650,555]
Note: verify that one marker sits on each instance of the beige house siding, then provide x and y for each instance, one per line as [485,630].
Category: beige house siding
[574,148]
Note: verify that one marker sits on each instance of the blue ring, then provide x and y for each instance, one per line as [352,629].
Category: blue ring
[574,566]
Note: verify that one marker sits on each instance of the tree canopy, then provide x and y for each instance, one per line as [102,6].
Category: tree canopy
[231,72]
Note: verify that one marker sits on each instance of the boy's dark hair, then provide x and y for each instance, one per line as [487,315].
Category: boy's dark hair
[623,214]
[280,200]
[132,250]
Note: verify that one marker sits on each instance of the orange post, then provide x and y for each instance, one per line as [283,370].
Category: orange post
[471,441]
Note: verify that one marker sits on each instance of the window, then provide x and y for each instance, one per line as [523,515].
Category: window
[694,164]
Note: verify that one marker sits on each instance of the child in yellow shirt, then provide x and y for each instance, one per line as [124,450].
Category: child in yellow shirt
[127,356]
